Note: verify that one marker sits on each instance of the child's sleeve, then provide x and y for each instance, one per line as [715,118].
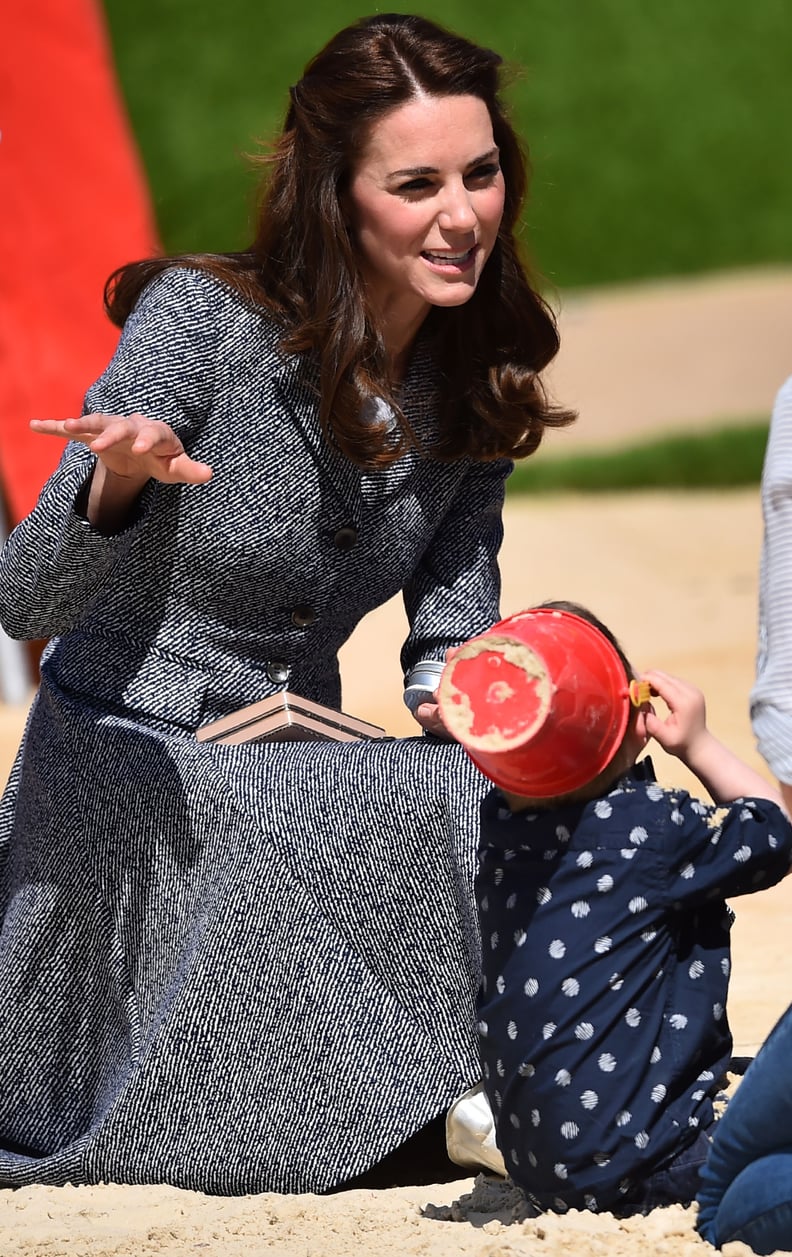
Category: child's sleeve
[722,852]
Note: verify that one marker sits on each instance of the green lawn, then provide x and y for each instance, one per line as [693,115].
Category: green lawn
[659,129]
[724,458]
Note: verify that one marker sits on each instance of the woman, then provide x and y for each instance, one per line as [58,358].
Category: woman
[246,968]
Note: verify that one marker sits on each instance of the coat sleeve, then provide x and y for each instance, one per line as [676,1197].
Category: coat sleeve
[771,697]
[454,592]
[55,563]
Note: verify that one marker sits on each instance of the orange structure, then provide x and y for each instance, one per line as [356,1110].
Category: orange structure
[74,205]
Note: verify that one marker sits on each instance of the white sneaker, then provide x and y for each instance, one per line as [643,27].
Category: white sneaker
[470,1133]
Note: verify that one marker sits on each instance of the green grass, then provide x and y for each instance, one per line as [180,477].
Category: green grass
[659,132]
[725,458]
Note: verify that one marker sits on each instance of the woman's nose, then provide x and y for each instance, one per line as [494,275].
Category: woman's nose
[457,212]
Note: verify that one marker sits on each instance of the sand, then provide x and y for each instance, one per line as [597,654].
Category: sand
[676,577]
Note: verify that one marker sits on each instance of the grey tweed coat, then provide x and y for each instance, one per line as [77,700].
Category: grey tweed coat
[245,968]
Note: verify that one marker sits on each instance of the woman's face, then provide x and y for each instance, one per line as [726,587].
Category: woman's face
[425,204]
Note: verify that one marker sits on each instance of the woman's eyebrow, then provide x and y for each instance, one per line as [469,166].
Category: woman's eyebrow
[412,171]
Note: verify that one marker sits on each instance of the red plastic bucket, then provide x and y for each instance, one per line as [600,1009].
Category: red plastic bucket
[540,702]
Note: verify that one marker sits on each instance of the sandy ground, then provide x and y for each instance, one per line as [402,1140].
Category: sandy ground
[676,577]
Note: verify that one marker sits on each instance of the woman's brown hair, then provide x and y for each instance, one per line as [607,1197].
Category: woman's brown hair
[302,264]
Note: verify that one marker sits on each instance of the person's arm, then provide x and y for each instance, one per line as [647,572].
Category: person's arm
[455,591]
[683,732]
[58,559]
[771,696]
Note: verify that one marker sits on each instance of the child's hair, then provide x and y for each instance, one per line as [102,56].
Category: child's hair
[617,763]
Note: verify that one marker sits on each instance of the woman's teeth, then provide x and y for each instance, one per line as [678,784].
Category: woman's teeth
[447,257]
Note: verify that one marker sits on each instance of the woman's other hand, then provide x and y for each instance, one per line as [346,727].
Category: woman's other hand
[130,450]
[130,447]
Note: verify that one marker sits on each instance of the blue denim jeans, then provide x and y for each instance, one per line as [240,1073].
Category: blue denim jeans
[746,1184]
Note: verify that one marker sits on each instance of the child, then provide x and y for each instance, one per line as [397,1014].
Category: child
[605,941]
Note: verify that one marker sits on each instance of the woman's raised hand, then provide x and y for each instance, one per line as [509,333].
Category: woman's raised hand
[130,446]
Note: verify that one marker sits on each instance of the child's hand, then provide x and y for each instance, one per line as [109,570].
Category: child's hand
[685,726]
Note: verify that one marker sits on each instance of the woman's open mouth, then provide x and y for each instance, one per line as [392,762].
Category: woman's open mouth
[459,260]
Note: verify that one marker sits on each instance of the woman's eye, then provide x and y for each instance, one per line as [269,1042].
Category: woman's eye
[415,185]
[482,173]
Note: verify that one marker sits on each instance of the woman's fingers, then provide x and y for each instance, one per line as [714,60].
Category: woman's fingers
[130,445]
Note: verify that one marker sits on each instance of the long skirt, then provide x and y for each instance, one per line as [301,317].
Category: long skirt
[232,969]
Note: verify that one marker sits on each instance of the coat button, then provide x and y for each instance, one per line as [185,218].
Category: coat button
[346,537]
[278,671]
[303,615]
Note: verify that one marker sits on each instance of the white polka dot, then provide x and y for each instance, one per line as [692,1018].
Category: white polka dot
[742,854]
[772,841]
[693,1121]
[678,1021]
[656,1055]
[603,945]
[549,1029]
[483,1028]
[698,1095]
[511,1030]
[484,904]
[584,1030]
[589,1100]
[557,949]
[658,1093]
[526,1070]
[560,1170]
[687,871]
[494,940]
[563,1078]
[531,987]
[627,853]
[698,807]
[515,1121]
[677,817]
[497,876]
[638,835]
[717,1011]
[601,1158]
[648,936]
[570,987]
[585,860]
[500,1069]
[632,1017]
[641,1139]
[706,1075]
[623,1118]
[725,966]
[696,969]
[580,908]
[616,982]
[500,984]
[591,1203]
[562,833]
[531,1159]
[536,1117]
[543,894]
[607,1062]
[520,937]
[638,904]
[655,792]
[746,814]
[605,883]
[603,809]
[511,902]
[570,1130]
